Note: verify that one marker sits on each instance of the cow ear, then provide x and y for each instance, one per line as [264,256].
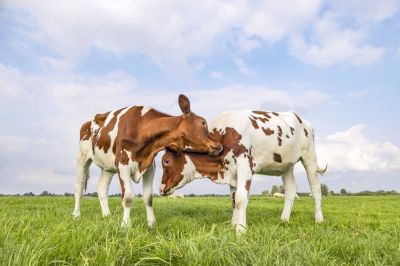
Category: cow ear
[184,104]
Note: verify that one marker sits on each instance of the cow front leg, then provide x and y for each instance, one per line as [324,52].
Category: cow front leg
[234,220]
[290,194]
[124,172]
[148,194]
[241,200]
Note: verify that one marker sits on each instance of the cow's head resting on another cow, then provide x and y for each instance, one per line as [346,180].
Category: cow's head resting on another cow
[177,171]
[192,132]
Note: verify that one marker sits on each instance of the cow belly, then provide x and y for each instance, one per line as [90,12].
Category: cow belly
[105,161]
[268,166]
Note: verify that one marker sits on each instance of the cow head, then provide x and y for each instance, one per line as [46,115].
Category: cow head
[177,171]
[192,133]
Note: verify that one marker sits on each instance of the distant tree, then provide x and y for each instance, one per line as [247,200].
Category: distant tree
[331,193]
[44,193]
[29,194]
[282,189]
[324,190]
[343,191]
[265,192]
[274,189]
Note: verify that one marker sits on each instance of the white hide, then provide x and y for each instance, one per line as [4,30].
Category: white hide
[106,161]
[262,146]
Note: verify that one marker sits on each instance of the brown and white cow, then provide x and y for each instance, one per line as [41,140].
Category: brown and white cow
[127,140]
[254,142]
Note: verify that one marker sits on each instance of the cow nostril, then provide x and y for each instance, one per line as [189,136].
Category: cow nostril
[216,149]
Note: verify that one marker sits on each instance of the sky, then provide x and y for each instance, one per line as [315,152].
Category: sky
[336,63]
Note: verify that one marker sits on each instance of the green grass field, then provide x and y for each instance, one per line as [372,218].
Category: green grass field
[197,231]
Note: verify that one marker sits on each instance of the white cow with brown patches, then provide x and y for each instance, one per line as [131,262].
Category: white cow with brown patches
[254,142]
[125,141]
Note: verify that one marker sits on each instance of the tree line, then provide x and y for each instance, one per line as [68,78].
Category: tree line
[326,192]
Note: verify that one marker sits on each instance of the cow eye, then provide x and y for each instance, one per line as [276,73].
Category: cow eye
[166,162]
[203,123]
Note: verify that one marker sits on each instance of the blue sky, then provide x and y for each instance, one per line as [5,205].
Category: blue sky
[337,63]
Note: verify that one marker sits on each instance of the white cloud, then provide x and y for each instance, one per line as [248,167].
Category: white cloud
[172,32]
[243,67]
[332,43]
[366,11]
[15,144]
[218,75]
[169,32]
[352,151]
[9,77]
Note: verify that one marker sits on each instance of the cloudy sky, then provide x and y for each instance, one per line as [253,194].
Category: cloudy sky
[336,63]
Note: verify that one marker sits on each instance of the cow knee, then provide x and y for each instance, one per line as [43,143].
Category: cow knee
[241,198]
[128,200]
[148,200]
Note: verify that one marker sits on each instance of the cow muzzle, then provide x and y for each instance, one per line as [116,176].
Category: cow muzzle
[215,149]
[163,190]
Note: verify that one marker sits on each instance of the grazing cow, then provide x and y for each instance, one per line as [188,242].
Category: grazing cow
[282,196]
[125,141]
[176,196]
[254,142]
[278,195]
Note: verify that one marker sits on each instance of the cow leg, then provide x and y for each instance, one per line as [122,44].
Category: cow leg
[148,194]
[290,194]
[242,195]
[102,190]
[83,162]
[124,172]
[310,164]
[234,220]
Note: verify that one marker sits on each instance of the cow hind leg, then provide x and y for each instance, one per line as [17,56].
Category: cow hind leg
[124,172]
[310,164]
[148,177]
[83,163]
[290,194]
[234,220]
[102,190]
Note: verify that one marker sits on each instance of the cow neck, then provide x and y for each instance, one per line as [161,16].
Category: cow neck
[157,139]
[208,166]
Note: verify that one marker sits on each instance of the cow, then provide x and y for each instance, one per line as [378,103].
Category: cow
[176,196]
[282,196]
[254,142]
[125,141]
[279,195]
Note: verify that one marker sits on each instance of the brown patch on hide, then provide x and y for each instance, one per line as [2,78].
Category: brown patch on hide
[85,131]
[277,158]
[248,184]
[298,118]
[306,132]
[268,131]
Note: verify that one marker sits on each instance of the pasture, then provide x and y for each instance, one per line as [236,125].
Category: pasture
[197,231]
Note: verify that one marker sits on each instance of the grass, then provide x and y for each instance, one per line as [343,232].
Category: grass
[196,231]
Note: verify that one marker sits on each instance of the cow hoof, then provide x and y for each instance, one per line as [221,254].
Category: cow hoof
[319,218]
[151,223]
[125,224]
[285,219]
[105,215]
[76,214]
[233,224]
[240,230]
